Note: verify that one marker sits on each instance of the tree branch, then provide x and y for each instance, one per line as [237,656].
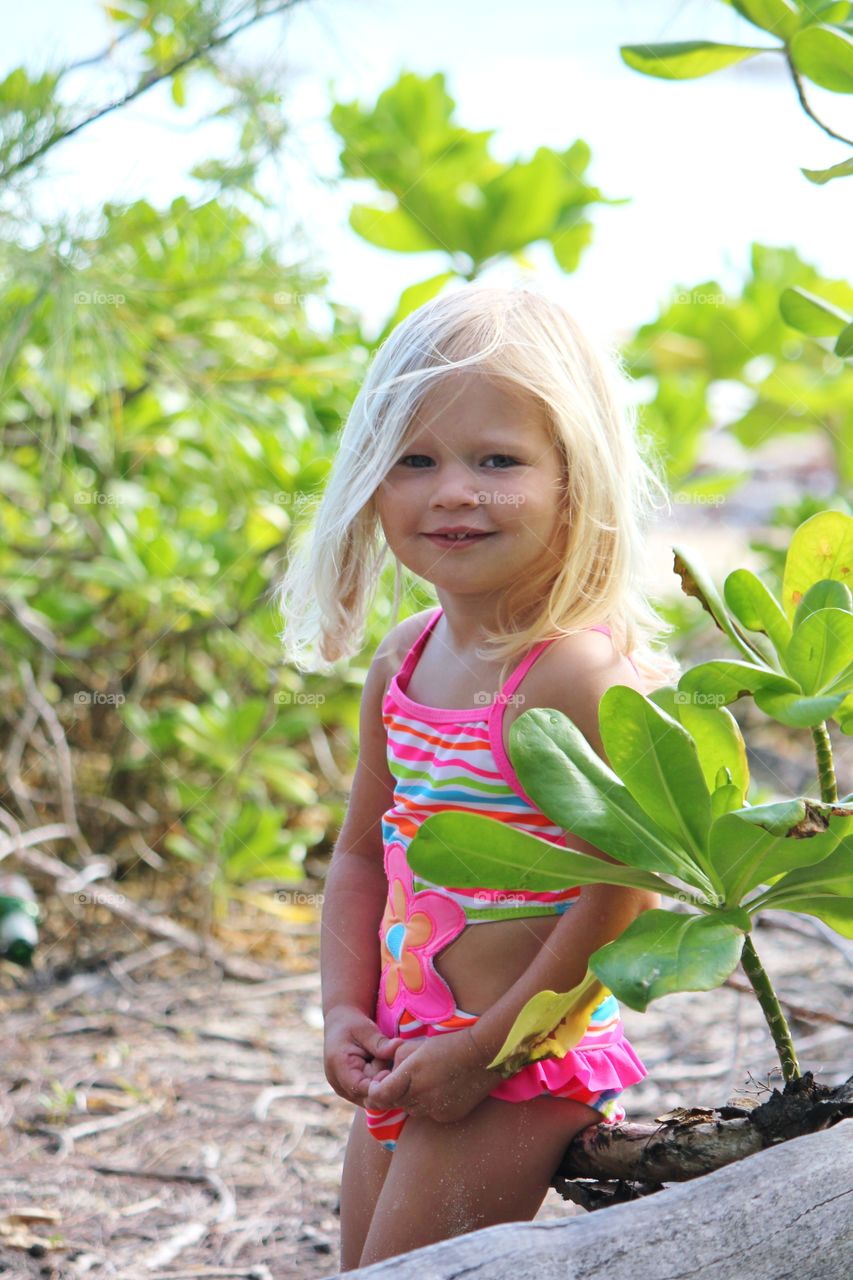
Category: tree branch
[147,82]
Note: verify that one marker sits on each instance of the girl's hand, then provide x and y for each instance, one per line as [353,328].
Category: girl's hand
[354,1052]
[442,1077]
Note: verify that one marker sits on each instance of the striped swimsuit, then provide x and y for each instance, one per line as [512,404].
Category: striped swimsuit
[443,758]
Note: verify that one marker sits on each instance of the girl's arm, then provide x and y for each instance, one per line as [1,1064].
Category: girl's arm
[356,887]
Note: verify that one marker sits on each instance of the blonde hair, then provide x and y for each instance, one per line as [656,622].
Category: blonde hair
[526,340]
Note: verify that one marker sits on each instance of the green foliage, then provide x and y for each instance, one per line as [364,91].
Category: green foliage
[704,337]
[447,193]
[168,414]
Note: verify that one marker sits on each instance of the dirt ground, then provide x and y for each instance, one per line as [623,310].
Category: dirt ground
[161,1120]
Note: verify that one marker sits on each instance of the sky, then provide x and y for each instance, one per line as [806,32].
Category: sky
[709,165]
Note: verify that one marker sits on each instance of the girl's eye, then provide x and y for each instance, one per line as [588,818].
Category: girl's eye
[422,457]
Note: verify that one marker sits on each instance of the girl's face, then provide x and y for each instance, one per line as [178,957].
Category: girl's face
[482,458]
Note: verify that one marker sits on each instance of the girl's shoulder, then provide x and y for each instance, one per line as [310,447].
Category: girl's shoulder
[574,673]
[392,649]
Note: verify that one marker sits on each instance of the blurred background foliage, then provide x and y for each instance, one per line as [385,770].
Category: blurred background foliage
[168,410]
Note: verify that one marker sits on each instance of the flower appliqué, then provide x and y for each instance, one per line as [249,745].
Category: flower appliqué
[414,928]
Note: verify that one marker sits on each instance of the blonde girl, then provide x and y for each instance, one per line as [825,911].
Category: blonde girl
[492,449]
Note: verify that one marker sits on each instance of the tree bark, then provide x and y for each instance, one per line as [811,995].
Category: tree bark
[785,1212]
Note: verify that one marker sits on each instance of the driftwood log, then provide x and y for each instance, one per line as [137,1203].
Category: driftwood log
[607,1165]
[786,1212]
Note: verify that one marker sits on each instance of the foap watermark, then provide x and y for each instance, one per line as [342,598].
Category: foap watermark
[684,697]
[282,498]
[93,697]
[287,298]
[706,296]
[482,698]
[500,899]
[701,899]
[699,499]
[298,898]
[99,298]
[285,697]
[501,499]
[99,898]
[94,497]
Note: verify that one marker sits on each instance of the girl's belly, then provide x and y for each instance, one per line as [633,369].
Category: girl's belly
[487,958]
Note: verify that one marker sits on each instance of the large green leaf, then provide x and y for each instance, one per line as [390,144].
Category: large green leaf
[568,781]
[716,733]
[753,603]
[780,17]
[727,680]
[796,711]
[822,547]
[467,850]
[825,55]
[821,649]
[656,758]
[685,59]
[664,951]
[833,910]
[832,874]
[811,314]
[392,229]
[751,845]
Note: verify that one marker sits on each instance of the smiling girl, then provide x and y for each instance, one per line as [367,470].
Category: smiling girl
[489,451]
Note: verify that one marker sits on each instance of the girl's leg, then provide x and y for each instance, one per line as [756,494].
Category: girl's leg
[366,1163]
[495,1165]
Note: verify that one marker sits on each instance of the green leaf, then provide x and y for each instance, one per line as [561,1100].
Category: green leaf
[657,759]
[780,17]
[821,649]
[826,594]
[833,910]
[415,296]
[796,711]
[844,169]
[831,874]
[825,55]
[663,951]
[568,781]
[717,736]
[844,345]
[821,548]
[751,845]
[549,1025]
[392,229]
[468,850]
[753,603]
[697,582]
[811,314]
[685,59]
[724,680]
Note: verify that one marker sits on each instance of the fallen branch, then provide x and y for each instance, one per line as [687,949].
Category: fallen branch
[687,1143]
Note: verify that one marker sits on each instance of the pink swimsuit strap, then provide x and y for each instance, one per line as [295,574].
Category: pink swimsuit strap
[411,658]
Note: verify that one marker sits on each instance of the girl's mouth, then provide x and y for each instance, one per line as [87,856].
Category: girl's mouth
[467,540]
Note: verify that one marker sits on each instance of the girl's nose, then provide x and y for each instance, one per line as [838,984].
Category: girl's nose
[456,486]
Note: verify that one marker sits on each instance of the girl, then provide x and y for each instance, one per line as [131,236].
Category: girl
[490,450]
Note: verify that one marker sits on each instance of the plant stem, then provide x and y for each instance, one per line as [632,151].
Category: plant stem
[825,767]
[771,1009]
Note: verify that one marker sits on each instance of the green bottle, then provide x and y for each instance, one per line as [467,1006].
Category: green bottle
[19,913]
